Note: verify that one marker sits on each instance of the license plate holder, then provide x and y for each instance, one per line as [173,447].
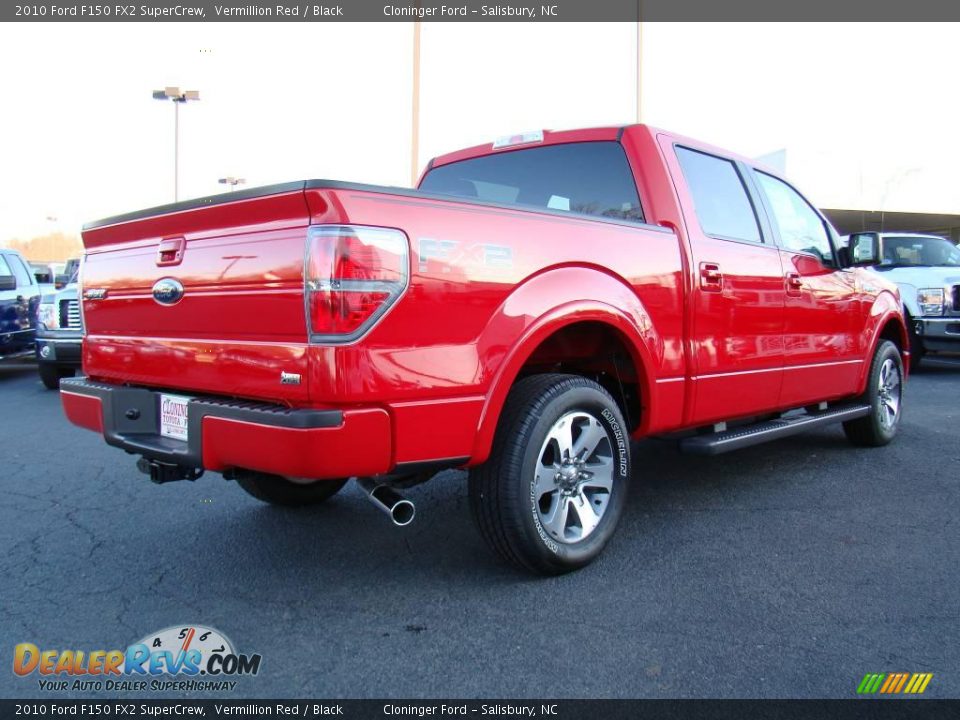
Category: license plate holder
[174,415]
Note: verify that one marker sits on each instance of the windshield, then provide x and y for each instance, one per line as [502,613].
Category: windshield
[919,251]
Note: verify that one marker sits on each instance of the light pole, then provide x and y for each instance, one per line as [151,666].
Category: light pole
[639,67]
[231,181]
[415,119]
[173,93]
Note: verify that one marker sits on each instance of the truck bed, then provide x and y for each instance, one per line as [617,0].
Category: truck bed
[241,321]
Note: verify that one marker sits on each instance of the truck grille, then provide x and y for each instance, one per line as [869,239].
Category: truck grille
[956,298]
[70,315]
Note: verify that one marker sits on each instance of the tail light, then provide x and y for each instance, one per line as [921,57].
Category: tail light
[353,275]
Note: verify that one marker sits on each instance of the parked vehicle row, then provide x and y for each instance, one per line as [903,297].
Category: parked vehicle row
[524,313]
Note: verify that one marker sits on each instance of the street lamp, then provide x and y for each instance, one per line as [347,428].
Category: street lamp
[232,182]
[173,93]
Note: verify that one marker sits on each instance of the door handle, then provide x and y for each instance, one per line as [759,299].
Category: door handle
[711,278]
[794,283]
[170,251]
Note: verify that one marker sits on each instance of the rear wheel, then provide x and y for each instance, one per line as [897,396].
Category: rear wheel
[550,496]
[51,375]
[885,396]
[278,490]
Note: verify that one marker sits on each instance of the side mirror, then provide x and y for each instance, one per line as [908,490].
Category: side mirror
[864,249]
[8,282]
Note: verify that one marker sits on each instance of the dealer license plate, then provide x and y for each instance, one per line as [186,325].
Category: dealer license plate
[173,416]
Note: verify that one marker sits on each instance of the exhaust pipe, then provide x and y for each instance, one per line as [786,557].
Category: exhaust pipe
[400,510]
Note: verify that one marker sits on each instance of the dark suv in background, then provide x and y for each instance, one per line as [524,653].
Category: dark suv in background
[19,299]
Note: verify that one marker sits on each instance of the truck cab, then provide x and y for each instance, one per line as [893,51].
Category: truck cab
[19,298]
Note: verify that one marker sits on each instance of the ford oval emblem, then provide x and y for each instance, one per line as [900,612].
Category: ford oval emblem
[167,291]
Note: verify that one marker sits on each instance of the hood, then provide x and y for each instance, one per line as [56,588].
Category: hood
[921,277]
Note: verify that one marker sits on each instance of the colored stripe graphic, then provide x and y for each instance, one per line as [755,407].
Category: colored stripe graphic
[870,683]
[894,683]
[918,683]
[903,680]
[891,681]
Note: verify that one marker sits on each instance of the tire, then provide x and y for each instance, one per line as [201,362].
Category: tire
[525,497]
[884,394]
[51,375]
[277,490]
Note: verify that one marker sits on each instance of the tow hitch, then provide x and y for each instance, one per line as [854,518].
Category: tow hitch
[161,472]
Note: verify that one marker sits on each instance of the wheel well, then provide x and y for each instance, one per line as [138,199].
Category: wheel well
[596,351]
[893,331]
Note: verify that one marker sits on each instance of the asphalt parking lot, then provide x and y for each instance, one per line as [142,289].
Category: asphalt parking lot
[786,570]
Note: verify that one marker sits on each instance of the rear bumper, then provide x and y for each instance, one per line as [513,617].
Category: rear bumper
[226,434]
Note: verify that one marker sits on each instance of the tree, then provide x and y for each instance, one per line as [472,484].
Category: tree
[53,247]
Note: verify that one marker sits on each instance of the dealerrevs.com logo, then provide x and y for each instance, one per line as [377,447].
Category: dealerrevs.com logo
[181,657]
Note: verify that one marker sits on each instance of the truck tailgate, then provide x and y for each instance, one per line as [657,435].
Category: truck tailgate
[203,296]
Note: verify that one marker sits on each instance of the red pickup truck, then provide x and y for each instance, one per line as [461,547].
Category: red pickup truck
[532,307]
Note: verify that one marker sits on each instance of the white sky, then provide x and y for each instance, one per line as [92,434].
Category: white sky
[867,113]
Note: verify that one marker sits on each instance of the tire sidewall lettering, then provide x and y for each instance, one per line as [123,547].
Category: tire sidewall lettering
[623,461]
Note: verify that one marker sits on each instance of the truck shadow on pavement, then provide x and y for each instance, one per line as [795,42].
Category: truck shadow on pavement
[349,541]
[14,371]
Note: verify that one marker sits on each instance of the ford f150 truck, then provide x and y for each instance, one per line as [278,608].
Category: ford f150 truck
[926,268]
[529,309]
[59,335]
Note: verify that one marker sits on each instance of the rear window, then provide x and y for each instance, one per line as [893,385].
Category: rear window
[592,178]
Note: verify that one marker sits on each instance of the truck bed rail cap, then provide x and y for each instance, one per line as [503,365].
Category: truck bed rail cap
[193,204]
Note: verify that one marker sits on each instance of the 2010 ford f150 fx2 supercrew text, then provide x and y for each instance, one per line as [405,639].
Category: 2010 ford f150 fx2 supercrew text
[527,311]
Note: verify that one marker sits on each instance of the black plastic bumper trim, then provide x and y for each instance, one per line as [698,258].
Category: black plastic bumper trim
[131,418]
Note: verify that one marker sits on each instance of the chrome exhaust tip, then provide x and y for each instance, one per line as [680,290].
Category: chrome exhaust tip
[384,497]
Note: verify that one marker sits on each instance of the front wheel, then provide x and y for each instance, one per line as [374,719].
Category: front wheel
[884,394]
[278,490]
[550,496]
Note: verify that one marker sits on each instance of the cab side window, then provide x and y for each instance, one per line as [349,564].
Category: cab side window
[720,199]
[801,228]
[4,267]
